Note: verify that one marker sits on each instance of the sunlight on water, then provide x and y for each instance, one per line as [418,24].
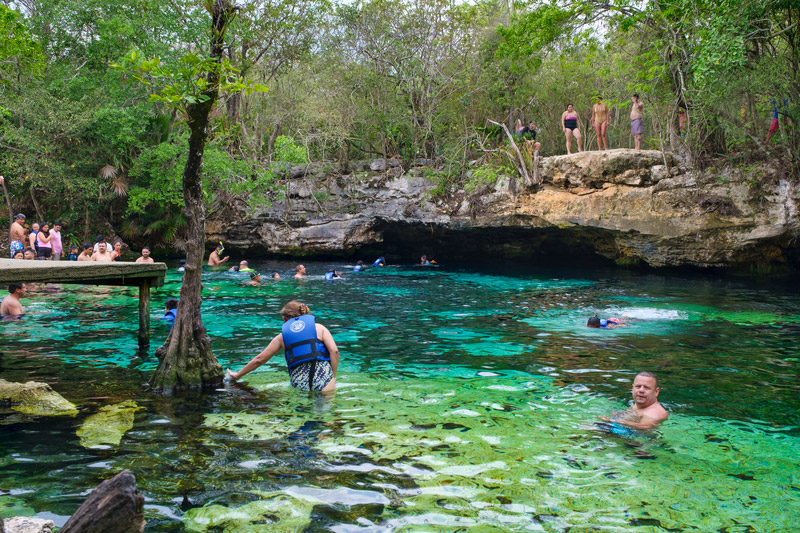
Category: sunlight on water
[467,400]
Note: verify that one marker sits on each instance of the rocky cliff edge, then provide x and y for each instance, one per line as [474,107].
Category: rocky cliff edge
[622,205]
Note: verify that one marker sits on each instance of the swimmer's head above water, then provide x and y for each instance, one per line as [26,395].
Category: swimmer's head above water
[294,309]
[593,322]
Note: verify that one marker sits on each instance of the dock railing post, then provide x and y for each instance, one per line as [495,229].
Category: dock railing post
[144,314]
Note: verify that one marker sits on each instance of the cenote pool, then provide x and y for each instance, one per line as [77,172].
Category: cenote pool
[467,401]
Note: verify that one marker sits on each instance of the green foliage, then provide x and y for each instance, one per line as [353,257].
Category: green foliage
[288,152]
[483,175]
[185,83]
[20,53]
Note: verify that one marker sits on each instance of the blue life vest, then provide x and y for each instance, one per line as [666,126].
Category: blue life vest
[329,276]
[169,316]
[301,343]
[358,268]
[378,262]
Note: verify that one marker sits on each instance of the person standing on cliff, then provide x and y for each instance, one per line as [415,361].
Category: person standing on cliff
[637,125]
[600,122]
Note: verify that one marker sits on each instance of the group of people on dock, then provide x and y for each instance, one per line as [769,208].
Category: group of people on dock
[44,242]
[571,125]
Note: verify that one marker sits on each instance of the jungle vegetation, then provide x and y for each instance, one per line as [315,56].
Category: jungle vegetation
[84,141]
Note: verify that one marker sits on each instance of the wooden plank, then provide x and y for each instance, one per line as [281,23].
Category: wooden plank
[84,272]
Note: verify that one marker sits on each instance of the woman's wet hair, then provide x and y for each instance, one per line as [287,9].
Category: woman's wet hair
[293,309]
[593,322]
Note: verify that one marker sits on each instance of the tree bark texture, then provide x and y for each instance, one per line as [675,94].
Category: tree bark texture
[185,359]
[115,505]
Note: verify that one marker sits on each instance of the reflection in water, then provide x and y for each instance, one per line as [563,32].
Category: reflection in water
[466,399]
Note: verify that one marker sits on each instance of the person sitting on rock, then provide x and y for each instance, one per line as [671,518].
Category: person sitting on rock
[11,306]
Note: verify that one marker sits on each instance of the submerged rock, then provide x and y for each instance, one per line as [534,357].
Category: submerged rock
[35,398]
[109,425]
[25,524]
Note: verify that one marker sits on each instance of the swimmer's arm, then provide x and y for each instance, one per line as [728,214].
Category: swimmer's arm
[333,350]
[272,348]
[645,423]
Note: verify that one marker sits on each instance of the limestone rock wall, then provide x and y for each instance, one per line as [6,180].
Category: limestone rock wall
[622,205]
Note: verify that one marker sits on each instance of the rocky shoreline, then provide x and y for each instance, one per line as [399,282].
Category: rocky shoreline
[619,206]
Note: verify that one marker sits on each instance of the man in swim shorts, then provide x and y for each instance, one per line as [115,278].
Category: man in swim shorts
[17,235]
[645,413]
[637,126]
[600,122]
[11,306]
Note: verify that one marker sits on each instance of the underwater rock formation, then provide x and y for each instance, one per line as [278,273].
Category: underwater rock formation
[34,398]
[620,205]
[107,427]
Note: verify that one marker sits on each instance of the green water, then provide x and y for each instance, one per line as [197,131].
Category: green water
[466,401]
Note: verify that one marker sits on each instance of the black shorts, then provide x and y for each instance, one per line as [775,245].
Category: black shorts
[44,252]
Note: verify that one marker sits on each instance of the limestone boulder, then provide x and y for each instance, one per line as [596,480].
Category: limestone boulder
[35,398]
[25,524]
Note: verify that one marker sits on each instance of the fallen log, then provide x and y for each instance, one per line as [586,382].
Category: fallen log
[115,505]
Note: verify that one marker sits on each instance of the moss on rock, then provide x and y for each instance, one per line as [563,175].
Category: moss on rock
[35,398]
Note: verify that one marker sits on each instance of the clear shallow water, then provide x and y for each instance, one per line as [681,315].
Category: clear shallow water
[467,401]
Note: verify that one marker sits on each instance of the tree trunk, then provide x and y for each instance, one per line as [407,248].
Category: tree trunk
[185,359]
[115,505]
[10,213]
[38,209]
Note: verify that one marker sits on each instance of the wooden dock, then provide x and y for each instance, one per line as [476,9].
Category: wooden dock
[142,275]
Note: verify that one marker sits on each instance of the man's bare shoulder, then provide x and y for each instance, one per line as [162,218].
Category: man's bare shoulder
[655,412]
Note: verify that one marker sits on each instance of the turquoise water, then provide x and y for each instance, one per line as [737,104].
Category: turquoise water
[466,401]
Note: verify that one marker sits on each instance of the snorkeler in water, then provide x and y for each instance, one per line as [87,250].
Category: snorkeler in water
[609,323]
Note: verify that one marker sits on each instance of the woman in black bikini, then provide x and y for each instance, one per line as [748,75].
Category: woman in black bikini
[569,121]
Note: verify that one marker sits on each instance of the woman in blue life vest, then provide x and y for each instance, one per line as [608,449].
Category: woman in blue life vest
[311,353]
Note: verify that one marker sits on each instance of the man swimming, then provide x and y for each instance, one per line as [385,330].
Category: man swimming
[300,272]
[645,413]
[255,280]
[11,306]
[609,323]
